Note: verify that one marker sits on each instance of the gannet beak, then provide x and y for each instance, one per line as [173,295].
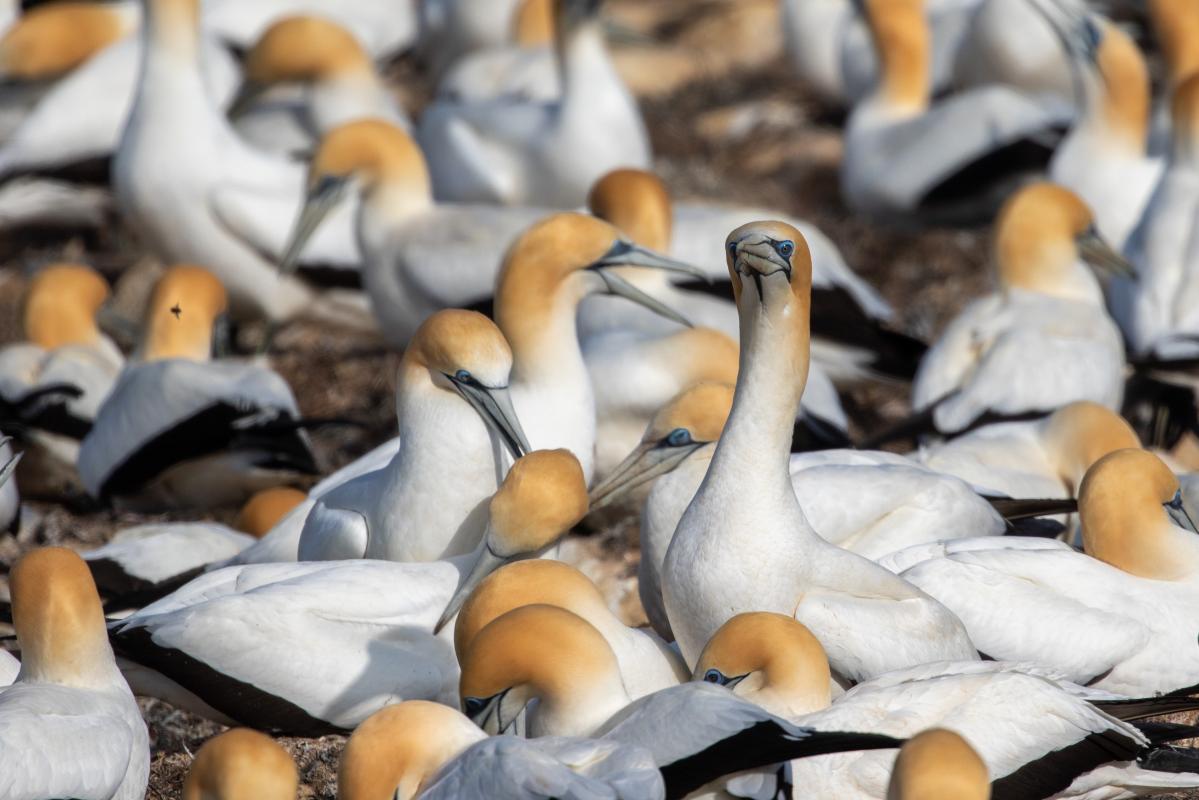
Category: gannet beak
[494,405]
[488,713]
[627,254]
[618,286]
[247,95]
[487,563]
[322,198]
[646,462]
[1176,508]
[1102,257]
[11,466]
[222,336]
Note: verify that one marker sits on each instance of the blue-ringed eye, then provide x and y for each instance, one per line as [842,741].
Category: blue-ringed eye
[733,249]
[715,676]
[678,437]
[784,248]
[462,375]
[472,705]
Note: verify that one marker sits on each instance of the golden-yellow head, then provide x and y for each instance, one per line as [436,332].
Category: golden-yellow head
[902,40]
[61,304]
[375,152]
[701,410]
[638,203]
[542,497]
[50,40]
[939,764]
[265,508]
[1079,434]
[304,48]
[453,340]
[241,764]
[184,307]
[1176,23]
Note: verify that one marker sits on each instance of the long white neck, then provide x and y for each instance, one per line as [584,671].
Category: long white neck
[171,56]
[347,96]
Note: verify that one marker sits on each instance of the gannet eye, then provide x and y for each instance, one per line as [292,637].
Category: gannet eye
[784,248]
[678,437]
[462,375]
[473,705]
[715,676]
[733,249]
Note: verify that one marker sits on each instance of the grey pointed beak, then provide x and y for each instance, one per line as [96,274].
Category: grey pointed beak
[247,95]
[1178,513]
[648,461]
[627,254]
[1102,257]
[495,407]
[322,198]
[486,563]
[11,465]
[490,715]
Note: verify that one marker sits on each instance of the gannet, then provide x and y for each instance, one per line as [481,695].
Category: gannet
[548,654]
[1039,458]
[520,152]
[179,429]
[145,562]
[524,65]
[1103,158]
[895,502]
[53,383]
[363,628]
[241,764]
[937,764]
[196,193]
[336,76]
[1036,736]
[1117,617]
[646,663]
[1044,339]
[458,431]
[744,543]
[417,748]
[910,158]
[69,726]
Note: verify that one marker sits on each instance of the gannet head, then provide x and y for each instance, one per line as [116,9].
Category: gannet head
[1133,517]
[1176,23]
[564,258]
[636,202]
[537,652]
[395,752]
[542,497]
[938,765]
[901,37]
[769,659]
[533,23]
[1042,232]
[692,420]
[525,583]
[371,153]
[241,764]
[463,352]
[1184,113]
[1079,434]
[61,304]
[298,49]
[59,621]
[51,40]
[185,317]
[265,508]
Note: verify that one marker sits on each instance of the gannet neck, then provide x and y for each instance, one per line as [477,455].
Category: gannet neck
[1176,23]
[584,64]
[1076,436]
[241,764]
[1118,98]
[399,748]
[346,95]
[1184,113]
[939,765]
[1125,522]
[903,42]
[533,23]
[1036,246]
[172,33]
[61,305]
[60,623]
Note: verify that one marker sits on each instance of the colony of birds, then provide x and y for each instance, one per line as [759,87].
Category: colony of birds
[1002,604]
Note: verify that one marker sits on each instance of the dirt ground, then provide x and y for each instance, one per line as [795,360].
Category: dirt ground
[729,122]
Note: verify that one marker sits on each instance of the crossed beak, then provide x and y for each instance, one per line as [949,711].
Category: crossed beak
[648,461]
[487,562]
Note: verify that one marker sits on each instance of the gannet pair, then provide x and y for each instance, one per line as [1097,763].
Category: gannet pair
[53,384]
[457,424]
[1044,339]
[1118,617]
[1036,736]
[364,629]
[868,502]
[524,152]
[179,429]
[744,543]
[69,726]
[908,157]
[336,77]
[195,192]
[695,732]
